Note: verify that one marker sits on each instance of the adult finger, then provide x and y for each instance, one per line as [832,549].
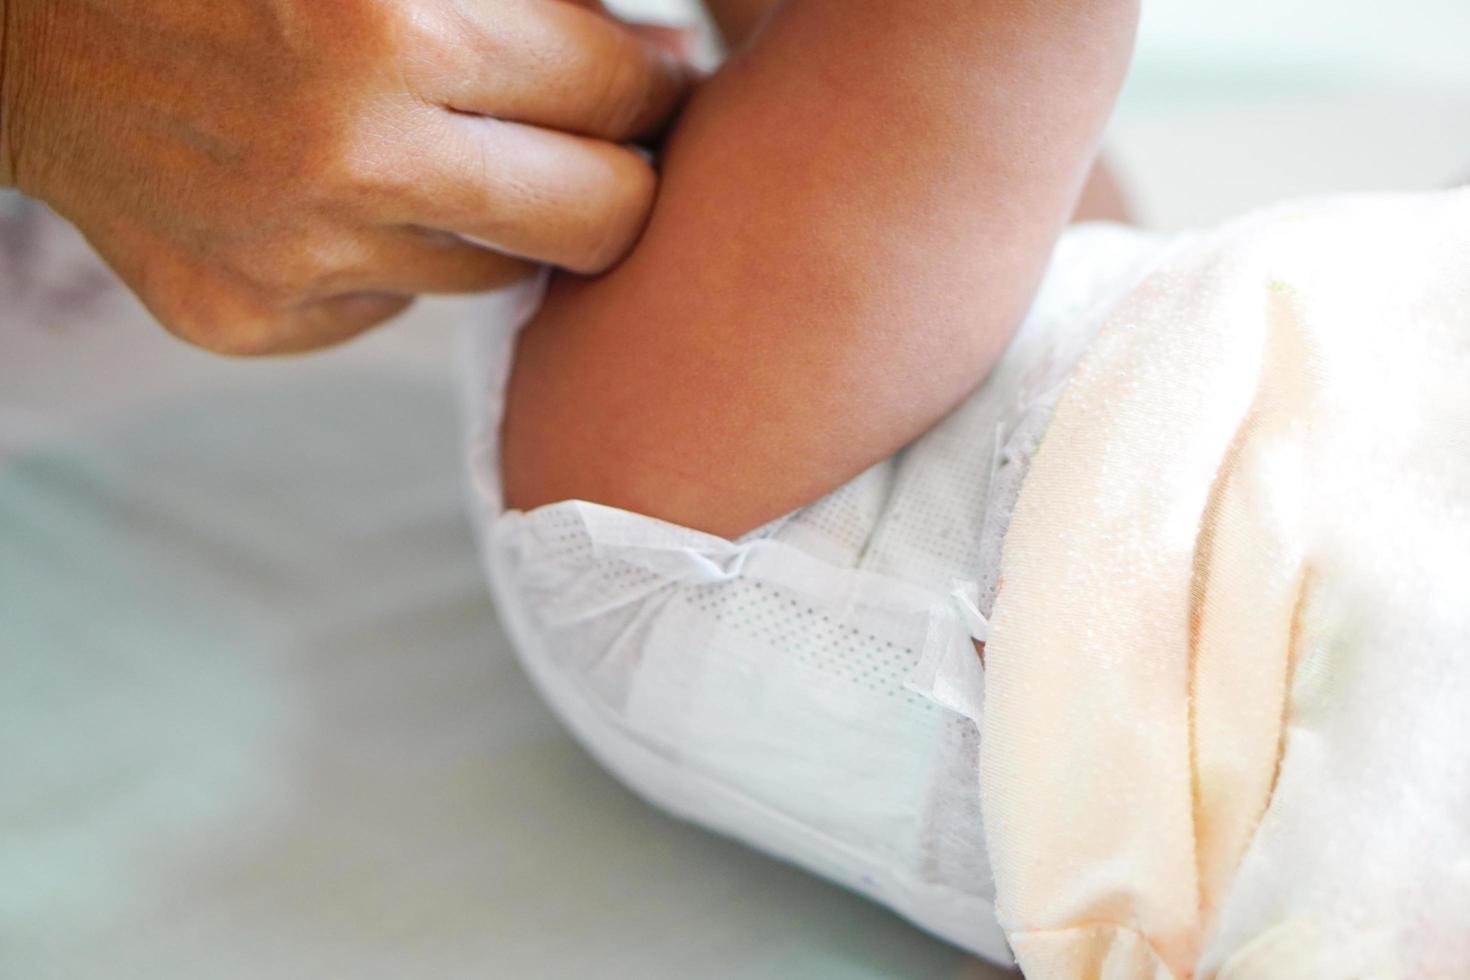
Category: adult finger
[240,324]
[323,323]
[571,201]
[560,66]
[408,260]
[225,314]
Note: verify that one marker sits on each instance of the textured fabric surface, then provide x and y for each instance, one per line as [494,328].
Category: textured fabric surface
[1225,729]
[812,688]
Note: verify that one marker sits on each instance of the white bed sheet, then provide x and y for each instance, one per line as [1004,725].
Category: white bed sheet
[256,715]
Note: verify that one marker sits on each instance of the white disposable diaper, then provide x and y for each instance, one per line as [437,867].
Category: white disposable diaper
[812,688]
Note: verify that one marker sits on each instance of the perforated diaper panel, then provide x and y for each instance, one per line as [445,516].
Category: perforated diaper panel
[562,539]
[790,624]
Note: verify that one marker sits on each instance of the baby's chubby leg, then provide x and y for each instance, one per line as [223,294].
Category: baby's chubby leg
[855,213]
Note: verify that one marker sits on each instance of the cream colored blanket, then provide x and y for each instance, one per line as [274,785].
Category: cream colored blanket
[1227,726]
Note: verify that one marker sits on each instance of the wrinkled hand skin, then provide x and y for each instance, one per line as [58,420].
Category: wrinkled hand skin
[273,176]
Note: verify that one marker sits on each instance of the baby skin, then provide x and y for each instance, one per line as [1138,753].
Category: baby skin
[853,218]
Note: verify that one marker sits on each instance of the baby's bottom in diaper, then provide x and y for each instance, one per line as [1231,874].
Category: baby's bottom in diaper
[1220,731]
[811,688]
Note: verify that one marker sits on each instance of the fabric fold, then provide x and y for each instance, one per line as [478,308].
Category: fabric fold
[1225,684]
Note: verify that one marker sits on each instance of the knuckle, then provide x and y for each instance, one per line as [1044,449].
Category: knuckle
[345,31]
[419,33]
[288,268]
[231,329]
[399,42]
[363,310]
[208,310]
[277,272]
[622,96]
[407,28]
[338,159]
[347,150]
[358,164]
[251,339]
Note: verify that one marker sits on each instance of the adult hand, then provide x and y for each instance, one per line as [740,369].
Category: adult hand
[278,175]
